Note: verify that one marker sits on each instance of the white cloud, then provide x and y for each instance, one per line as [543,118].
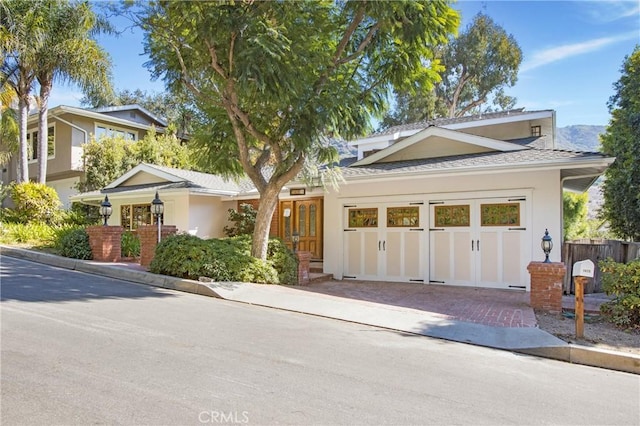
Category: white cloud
[559,53]
[611,10]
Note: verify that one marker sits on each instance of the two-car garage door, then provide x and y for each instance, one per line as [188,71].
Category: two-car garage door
[469,242]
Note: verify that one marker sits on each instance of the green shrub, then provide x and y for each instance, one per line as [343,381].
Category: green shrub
[284,261]
[73,242]
[244,219]
[182,255]
[623,282]
[225,259]
[34,202]
[35,234]
[130,244]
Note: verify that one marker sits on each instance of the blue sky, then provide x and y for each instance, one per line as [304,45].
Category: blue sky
[573,52]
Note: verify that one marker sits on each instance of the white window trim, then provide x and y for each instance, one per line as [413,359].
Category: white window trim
[34,130]
[114,128]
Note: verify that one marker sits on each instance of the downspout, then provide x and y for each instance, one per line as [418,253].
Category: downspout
[594,175]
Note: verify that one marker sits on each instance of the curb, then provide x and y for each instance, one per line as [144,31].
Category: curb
[575,354]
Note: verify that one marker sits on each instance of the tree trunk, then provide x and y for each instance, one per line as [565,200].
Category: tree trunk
[266,208]
[43,138]
[23,153]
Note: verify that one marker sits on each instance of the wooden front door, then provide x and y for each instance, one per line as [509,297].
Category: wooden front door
[305,218]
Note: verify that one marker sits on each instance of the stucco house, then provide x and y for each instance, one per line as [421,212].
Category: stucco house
[461,201]
[71,127]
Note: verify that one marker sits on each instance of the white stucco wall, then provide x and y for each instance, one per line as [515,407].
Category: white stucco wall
[542,189]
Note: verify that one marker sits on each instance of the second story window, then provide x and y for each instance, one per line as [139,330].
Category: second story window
[32,144]
[103,130]
[536,130]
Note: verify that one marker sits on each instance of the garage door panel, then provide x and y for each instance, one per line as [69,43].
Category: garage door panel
[412,253]
[394,254]
[512,267]
[370,246]
[353,249]
[461,253]
[489,257]
[441,257]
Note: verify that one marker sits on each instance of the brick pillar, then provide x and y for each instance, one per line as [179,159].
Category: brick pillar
[546,285]
[105,242]
[149,240]
[304,257]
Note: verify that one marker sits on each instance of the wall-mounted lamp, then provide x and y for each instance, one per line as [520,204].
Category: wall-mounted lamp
[547,245]
[105,209]
[295,237]
[157,208]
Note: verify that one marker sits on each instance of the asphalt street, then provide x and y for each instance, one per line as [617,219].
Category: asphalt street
[82,349]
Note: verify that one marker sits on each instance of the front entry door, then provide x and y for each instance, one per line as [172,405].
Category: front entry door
[305,218]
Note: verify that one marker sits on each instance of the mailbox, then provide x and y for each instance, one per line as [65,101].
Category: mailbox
[583,268]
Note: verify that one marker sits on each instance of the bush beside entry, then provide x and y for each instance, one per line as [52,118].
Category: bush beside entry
[623,282]
[225,259]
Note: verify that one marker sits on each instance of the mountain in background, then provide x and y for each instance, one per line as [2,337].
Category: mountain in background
[579,137]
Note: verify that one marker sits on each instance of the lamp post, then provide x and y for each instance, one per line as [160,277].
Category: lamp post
[295,237]
[546,245]
[157,208]
[105,209]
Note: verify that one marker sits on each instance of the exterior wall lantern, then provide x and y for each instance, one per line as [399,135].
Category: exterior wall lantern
[105,209]
[157,208]
[295,237]
[546,245]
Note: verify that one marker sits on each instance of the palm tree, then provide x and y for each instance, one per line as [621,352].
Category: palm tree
[9,133]
[20,37]
[69,54]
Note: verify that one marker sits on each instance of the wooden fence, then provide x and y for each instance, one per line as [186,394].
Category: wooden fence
[595,250]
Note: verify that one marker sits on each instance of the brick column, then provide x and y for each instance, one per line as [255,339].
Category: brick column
[149,240]
[546,285]
[105,242]
[304,258]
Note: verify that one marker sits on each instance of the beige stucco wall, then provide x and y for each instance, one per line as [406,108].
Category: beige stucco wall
[65,189]
[542,189]
[515,130]
[209,215]
[186,212]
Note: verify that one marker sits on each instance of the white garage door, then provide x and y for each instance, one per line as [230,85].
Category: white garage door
[384,242]
[479,242]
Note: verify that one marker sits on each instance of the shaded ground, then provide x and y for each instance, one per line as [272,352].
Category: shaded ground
[597,332]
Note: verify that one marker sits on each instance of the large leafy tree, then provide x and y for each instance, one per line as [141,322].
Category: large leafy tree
[478,65]
[621,188]
[68,53]
[272,79]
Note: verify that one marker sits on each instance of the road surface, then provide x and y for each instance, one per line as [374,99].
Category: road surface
[83,349]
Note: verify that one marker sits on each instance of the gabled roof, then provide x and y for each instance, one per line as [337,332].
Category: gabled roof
[205,182]
[98,116]
[578,169]
[518,114]
[136,107]
[430,138]
[485,119]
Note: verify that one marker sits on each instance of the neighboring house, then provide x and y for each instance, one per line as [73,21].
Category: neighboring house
[461,201]
[69,128]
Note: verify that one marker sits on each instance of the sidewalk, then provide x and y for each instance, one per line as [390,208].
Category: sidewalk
[523,339]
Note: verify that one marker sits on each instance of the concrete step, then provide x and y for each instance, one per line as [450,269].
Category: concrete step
[319,276]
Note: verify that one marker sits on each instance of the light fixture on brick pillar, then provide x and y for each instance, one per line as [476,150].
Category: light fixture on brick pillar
[157,208]
[105,209]
[546,245]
